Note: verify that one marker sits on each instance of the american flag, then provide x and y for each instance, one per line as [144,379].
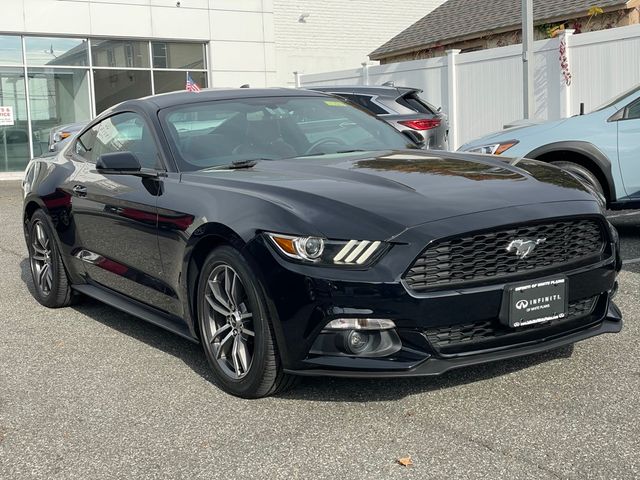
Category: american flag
[191,85]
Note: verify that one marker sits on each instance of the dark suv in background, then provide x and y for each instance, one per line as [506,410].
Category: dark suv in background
[401,107]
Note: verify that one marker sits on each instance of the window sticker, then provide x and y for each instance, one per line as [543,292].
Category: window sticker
[335,103]
[106,132]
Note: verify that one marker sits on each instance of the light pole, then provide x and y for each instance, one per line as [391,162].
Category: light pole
[527,58]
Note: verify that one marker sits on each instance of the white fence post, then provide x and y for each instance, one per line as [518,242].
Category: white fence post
[365,73]
[564,40]
[296,77]
[452,100]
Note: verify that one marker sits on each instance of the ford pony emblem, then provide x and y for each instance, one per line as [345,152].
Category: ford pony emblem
[522,247]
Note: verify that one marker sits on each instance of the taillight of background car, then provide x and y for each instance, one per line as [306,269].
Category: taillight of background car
[422,123]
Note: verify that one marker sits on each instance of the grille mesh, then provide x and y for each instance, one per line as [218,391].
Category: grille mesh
[472,334]
[484,256]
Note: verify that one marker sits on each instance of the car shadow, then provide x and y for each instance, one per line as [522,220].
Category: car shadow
[308,388]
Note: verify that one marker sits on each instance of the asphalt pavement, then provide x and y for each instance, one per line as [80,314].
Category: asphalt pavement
[89,392]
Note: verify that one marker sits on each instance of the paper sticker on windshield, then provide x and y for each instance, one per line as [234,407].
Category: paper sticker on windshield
[335,103]
[106,132]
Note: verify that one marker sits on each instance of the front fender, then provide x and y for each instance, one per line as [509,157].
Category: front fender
[586,149]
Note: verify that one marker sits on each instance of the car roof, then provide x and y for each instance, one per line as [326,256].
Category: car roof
[382,90]
[166,100]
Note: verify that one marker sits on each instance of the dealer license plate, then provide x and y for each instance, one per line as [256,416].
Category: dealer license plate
[537,302]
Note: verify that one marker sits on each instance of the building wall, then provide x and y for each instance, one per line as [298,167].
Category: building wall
[240,32]
[337,34]
[604,21]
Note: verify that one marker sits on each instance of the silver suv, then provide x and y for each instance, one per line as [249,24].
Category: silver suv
[401,107]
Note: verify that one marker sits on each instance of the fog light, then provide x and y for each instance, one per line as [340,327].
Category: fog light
[358,342]
[360,324]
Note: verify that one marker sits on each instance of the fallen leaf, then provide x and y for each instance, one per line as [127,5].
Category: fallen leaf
[405,461]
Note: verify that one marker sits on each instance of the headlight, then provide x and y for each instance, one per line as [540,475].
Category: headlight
[494,148]
[355,253]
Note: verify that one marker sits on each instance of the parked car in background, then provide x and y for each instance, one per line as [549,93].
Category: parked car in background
[401,107]
[601,149]
[59,135]
[300,235]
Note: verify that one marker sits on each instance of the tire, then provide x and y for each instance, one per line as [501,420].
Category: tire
[584,176]
[235,329]
[51,285]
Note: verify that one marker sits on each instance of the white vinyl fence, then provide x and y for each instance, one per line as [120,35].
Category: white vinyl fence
[482,91]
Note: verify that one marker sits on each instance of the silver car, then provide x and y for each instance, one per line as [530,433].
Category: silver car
[59,135]
[401,107]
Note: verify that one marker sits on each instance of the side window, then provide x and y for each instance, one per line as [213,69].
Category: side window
[633,110]
[365,102]
[84,145]
[120,133]
[415,103]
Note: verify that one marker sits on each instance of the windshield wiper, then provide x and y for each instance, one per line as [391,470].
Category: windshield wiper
[317,154]
[236,165]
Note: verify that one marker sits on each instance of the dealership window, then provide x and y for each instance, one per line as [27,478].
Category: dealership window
[115,86]
[178,55]
[10,50]
[120,53]
[14,131]
[170,81]
[56,97]
[56,51]
[72,79]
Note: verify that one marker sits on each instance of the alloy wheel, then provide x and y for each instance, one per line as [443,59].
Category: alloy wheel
[41,259]
[230,322]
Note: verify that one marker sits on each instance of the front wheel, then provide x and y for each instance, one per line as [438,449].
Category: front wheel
[235,329]
[51,284]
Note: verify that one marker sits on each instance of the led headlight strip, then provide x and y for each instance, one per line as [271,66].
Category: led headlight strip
[356,252]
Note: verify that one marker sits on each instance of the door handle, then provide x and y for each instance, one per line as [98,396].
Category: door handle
[80,190]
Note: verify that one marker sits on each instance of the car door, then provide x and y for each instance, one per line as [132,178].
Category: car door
[629,148]
[116,215]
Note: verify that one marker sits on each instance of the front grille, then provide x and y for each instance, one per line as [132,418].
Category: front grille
[476,336]
[484,257]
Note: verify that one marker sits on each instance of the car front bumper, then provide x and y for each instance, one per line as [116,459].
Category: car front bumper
[434,365]
[302,301]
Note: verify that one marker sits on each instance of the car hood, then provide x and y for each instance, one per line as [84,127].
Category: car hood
[395,190]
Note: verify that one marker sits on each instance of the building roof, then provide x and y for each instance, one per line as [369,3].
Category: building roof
[457,19]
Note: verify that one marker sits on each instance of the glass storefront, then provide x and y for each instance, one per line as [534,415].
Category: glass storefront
[71,80]
[172,81]
[115,86]
[57,96]
[14,134]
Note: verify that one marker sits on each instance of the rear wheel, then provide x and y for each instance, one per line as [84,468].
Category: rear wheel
[50,281]
[584,176]
[235,329]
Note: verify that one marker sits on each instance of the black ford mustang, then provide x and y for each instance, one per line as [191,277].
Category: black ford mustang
[293,234]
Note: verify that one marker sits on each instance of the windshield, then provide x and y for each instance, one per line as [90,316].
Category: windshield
[217,133]
[618,98]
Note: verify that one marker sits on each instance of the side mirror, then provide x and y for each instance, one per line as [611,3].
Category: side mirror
[415,137]
[118,163]
[122,163]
